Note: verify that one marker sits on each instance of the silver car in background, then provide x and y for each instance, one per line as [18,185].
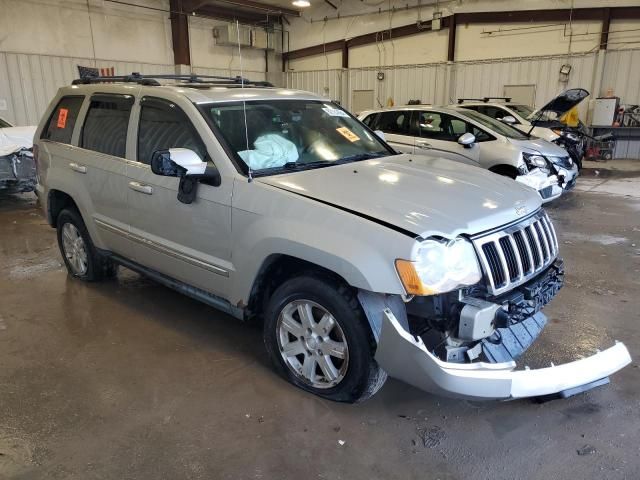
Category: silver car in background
[475,139]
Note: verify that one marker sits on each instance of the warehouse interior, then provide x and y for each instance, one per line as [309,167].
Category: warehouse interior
[160,365]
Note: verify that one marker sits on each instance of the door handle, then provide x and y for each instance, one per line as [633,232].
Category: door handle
[78,168]
[423,144]
[138,187]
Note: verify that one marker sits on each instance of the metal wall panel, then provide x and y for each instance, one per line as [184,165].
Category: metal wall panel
[479,79]
[622,75]
[327,83]
[28,82]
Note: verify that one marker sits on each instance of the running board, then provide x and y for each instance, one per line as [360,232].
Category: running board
[184,288]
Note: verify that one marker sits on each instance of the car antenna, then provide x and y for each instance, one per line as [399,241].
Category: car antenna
[244,102]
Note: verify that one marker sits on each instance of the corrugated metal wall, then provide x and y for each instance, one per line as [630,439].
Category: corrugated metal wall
[479,79]
[622,74]
[28,82]
[428,83]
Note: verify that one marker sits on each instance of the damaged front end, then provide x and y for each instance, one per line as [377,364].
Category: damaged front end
[465,343]
[17,172]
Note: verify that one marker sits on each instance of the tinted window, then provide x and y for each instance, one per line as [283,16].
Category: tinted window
[106,123]
[437,126]
[63,119]
[495,125]
[369,121]
[4,124]
[164,125]
[393,122]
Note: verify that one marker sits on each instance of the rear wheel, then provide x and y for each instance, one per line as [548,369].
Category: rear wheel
[319,339]
[81,258]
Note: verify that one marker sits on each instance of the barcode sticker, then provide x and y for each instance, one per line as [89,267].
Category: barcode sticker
[335,112]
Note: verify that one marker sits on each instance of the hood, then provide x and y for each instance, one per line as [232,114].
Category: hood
[552,111]
[422,195]
[539,146]
[13,139]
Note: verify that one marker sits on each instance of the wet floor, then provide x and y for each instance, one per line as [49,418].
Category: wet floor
[130,380]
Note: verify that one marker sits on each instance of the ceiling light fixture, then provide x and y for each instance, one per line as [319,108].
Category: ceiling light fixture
[301,3]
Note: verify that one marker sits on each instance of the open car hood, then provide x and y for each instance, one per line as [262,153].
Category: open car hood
[552,111]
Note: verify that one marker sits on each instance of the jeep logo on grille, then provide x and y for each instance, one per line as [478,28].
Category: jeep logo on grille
[521,210]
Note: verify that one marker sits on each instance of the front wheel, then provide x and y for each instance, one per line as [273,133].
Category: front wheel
[319,339]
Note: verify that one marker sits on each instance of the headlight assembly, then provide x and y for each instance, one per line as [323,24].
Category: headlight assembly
[535,161]
[440,266]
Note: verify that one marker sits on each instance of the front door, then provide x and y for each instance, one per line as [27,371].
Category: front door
[188,242]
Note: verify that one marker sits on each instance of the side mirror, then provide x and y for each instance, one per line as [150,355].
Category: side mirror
[186,164]
[467,140]
[509,120]
[380,135]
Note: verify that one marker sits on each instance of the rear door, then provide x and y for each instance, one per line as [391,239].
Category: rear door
[101,164]
[188,242]
[437,135]
[395,125]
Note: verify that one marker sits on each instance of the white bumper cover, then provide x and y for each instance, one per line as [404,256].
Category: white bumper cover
[539,180]
[407,359]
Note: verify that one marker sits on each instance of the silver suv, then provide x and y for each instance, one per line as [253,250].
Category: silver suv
[278,205]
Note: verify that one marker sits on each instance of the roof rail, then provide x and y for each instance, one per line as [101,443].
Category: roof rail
[462,100]
[506,99]
[152,80]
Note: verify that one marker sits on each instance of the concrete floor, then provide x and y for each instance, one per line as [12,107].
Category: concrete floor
[130,380]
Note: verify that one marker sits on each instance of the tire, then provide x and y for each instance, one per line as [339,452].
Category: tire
[358,375]
[96,267]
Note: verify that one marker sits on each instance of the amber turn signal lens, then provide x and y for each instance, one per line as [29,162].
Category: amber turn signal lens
[410,279]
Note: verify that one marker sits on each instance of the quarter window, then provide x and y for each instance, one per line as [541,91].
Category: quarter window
[106,124]
[63,120]
[164,125]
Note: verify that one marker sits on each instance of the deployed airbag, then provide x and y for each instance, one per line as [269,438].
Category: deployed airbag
[271,150]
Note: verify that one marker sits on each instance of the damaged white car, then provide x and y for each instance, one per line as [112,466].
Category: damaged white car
[278,205]
[469,137]
[17,167]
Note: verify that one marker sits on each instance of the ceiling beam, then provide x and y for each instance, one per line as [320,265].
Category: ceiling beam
[253,6]
[518,16]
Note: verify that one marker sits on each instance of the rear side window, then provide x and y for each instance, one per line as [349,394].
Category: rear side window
[63,120]
[393,122]
[370,122]
[106,123]
[164,125]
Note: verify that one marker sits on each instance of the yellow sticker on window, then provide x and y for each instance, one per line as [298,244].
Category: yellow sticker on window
[348,134]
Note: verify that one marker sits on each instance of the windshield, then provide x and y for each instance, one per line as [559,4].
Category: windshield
[4,124]
[495,125]
[523,110]
[282,135]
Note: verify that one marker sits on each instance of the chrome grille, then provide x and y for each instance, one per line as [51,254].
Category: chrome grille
[512,256]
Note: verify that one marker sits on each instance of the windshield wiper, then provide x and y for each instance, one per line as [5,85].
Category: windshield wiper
[304,166]
[360,156]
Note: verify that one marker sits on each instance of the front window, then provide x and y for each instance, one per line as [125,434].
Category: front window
[496,125]
[274,136]
[4,124]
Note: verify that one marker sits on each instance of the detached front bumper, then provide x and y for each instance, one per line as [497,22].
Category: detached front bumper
[569,175]
[547,186]
[406,358]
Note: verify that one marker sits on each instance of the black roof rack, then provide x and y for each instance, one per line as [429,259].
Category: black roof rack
[506,99]
[461,100]
[152,80]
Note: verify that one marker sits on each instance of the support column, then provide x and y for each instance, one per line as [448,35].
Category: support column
[179,34]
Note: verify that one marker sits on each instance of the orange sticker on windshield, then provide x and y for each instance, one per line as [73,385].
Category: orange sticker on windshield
[348,134]
[62,118]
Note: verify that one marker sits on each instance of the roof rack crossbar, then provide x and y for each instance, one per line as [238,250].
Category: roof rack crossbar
[506,99]
[462,100]
[152,80]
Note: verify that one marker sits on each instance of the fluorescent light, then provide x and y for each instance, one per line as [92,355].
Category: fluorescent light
[301,3]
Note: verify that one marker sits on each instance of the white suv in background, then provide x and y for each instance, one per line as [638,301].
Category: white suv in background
[475,139]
